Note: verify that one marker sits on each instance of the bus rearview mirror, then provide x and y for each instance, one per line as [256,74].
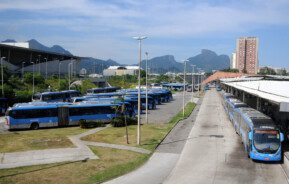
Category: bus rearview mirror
[281,137]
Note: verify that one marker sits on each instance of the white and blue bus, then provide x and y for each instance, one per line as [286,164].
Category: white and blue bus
[260,136]
[61,96]
[34,116]
[232,104]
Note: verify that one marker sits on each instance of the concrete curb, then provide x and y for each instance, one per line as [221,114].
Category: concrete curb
[117,146]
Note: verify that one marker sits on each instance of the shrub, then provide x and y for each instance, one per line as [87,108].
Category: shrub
[120,121]
[90,124]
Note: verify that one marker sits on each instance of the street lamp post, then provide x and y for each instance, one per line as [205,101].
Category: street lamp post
[147,87]
[199,69]
[45,68]
[69,74]
[184,87]
[39,64]
[32,78]
[140,38]
[2,76]
[72,67]
[59,63]
[23,71]
[193,82]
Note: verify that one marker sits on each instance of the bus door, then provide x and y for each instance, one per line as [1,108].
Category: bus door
[63,116]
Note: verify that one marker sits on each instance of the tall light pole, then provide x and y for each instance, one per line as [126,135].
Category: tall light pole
[23,71]
[69,74]
[39,64]
[71,70]
[184,87]
[2,76]
[32,78]
[59,63]
[199,69]
[140,38]
[147,121]
[193,82]
[45,68]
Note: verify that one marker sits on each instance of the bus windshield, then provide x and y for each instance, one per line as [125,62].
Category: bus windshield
[266,141]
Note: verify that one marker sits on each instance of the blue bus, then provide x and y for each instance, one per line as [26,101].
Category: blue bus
[34,116]
[93,112]
[61,96]
[232,104]
[226,96]
[260,136]
[103,90]
[129,105]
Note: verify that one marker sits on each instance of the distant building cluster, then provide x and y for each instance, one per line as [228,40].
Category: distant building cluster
[120,70]
[245,59]
[17,44]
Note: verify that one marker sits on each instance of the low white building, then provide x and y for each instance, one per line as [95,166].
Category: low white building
[18,44]
[233,61]
[120,70]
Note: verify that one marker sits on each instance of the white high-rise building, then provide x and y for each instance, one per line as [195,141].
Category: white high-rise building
[233,62]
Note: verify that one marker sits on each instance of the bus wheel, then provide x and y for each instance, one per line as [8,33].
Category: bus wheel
[34,126]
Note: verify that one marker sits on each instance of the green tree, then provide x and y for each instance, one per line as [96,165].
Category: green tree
[86,84]
[283,72]
[267,71]
[8,91]
[23,95]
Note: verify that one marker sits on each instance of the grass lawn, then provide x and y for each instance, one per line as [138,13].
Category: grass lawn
[112,163]
[37,139]
[151,134]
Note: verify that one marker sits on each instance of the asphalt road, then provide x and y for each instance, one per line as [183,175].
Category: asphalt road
[166,111]
[214,154]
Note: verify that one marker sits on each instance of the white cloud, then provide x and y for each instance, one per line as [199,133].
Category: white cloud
[104,24]
[158,18]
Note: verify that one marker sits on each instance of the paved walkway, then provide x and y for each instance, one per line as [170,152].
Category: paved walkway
[162,162]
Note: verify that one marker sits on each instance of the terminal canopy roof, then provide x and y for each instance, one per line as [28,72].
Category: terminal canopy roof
[276,91]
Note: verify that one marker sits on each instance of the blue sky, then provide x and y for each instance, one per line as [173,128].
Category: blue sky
[104,28]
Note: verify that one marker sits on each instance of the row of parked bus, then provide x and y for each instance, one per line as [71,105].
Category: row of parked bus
[260,136]
[46,111]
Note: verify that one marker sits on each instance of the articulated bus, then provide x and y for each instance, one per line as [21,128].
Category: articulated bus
[232,104]
[259,134]
[33,116]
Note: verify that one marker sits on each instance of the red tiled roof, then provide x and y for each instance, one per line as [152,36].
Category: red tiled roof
[221,75]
